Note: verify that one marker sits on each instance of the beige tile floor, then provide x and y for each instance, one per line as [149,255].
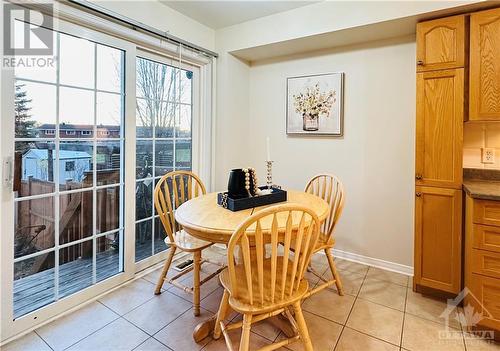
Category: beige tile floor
[379,312]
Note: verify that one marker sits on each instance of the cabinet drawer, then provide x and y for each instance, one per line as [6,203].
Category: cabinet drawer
[486,237]
[487,292]
[486,262]
[487,212]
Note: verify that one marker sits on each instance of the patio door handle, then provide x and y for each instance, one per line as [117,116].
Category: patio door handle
[8,172]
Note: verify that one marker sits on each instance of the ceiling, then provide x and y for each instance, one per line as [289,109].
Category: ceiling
[219,14]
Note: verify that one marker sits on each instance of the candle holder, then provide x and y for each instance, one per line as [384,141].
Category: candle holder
[269,175]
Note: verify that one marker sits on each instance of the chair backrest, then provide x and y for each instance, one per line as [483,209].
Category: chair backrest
[172,190]
[264,260]
[330,189]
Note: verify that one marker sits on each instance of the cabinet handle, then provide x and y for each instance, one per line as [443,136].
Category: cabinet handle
[418,176]
[418,194]
[420,63]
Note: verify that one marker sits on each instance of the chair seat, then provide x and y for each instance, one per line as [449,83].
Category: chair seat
[241,303]
[188,243]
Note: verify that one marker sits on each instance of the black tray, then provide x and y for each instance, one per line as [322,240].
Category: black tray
[278,195]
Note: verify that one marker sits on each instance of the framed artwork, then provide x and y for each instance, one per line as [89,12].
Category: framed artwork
[315,104]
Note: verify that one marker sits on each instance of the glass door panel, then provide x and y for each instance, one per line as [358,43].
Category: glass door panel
[164,141]
[69,173]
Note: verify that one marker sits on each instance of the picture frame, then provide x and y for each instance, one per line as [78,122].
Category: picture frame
[325,116]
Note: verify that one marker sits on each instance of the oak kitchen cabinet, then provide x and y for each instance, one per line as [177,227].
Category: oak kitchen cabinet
[482,259]
[439,134]
[441,44]
[485,66]
[441,72]
[438,238]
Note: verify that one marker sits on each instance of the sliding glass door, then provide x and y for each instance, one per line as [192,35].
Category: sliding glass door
[69,166]
[83,144]
[164,140]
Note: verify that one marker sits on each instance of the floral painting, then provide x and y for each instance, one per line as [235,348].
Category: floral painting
[315,104]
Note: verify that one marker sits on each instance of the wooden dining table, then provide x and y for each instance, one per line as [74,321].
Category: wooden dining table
[204,219]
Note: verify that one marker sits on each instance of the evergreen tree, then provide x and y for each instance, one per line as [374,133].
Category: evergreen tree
[24,124]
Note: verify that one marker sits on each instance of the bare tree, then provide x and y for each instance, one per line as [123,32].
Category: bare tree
[161,86]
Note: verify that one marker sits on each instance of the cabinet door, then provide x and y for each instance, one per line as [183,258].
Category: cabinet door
[441,44]
[439,139]
[438,238]
[485,65]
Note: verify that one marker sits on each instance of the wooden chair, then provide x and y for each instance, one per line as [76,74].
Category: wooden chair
[172,190]
[330,189]
[264,280]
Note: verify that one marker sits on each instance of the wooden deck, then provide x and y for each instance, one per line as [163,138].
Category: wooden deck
[37,290]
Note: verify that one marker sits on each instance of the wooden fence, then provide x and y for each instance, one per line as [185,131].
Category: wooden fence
[35,219]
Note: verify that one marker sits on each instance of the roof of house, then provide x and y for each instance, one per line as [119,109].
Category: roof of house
[67,126]
[42,154]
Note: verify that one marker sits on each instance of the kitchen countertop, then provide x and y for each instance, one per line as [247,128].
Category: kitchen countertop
[482,189]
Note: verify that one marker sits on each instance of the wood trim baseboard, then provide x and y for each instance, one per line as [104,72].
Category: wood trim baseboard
[373,262]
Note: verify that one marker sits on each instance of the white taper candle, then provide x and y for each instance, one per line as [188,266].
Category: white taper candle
[268,149]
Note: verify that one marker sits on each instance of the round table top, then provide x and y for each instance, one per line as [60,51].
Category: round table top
[204,219]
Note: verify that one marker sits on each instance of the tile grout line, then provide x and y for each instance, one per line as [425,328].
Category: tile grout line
[404,319]
[135,348]
[350,311]
[46,343]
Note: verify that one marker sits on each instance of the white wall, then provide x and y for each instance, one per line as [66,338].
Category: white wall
[157,15]
[374,159]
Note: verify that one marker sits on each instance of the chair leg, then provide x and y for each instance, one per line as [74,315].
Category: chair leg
[196,282]
[221,314]
[302,326]
[245,333]
[164,271]
[335,274]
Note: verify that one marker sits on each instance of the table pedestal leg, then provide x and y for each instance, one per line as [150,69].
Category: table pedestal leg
[206,327]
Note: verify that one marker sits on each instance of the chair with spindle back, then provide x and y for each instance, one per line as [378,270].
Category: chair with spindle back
[172,190]
[264,279]
[330,189]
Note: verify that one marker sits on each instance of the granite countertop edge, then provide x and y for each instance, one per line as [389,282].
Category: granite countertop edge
[482,189]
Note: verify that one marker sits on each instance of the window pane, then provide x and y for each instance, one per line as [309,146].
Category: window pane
[34,225]
[144,159]
[76,110]
[109,115]
[44,74]
[186,87]
[108,209]
[156,81]
[109,68]
[163,157]
[35,110]
[75,164]
[143,199]
[108,255]
[143,243]
[75,268]
[33,283]
[160,236]
[144,119]
[183,125]
[34,168]
[108,162]
[165,120]
[76,62]
[183,154]
[76,216]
